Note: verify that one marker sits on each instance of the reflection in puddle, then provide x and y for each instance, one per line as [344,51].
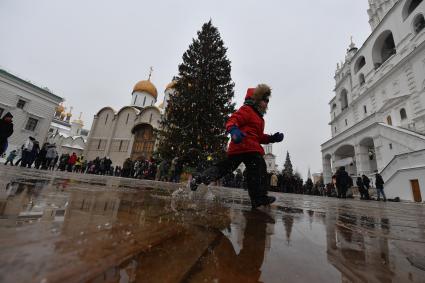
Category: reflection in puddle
[68,230]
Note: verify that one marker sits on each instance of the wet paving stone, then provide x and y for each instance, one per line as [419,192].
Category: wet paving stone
[65,227]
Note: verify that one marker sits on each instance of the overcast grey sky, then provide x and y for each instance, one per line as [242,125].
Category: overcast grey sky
[93,52]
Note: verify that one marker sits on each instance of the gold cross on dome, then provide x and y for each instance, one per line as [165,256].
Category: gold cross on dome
[150,73]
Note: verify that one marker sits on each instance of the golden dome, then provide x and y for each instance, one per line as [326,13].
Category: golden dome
[146,86]
[171,85]
[60,108]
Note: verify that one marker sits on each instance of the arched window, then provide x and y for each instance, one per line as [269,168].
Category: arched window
[409,7]
[359,64]
[344,100]
[418,23]
[383,49]
[389,121]
[334,106]
[403,114]
[361,79]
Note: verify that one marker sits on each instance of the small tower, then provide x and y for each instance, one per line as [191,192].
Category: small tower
[62,114]
[169,90]
[59,109]
[76,126]
[69,115]
[351,51]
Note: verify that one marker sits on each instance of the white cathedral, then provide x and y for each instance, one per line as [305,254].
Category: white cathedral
[128,132]
[378,111]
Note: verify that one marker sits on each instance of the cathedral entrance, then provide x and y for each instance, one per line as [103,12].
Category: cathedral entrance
[144,141]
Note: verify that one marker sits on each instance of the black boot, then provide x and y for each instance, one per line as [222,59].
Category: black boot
[266,200]
[197,180]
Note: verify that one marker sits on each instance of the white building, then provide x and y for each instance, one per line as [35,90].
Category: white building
[270,158]
[68,136]
[129,132]
[32,108]
[378,111]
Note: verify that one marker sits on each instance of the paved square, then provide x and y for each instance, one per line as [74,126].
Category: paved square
[65,227]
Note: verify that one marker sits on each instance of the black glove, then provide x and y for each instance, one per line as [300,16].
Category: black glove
[276,137]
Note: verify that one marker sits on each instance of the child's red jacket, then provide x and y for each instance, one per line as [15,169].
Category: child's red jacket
[251,124]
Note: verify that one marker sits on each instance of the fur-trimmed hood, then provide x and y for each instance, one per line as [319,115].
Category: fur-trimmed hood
[259,93]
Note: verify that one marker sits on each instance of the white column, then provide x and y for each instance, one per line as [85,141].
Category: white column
[377,141]
[327,170]
[362,159]
[130,146]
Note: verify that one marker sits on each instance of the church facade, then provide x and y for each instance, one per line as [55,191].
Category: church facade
[378,111]
[68,136]
[128,132]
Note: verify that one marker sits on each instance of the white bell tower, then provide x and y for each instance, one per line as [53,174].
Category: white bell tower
[377,11]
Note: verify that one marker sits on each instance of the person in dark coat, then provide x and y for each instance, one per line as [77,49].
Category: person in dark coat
[379,182]
[6,130]
[11,157]
[41,157]
[246,128]
[342,182]
[34,153]
[366,183]
[178,170]
[361,187]
[26,152]
[107,163]
[126,168]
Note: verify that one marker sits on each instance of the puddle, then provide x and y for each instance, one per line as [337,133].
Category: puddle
[67,228]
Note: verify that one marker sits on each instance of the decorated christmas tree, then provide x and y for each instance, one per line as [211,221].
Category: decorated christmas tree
[193,124]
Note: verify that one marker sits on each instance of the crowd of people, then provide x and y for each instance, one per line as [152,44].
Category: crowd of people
[342,182]
[46,157]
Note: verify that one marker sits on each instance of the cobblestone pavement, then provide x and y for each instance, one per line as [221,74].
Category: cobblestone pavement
[65,227]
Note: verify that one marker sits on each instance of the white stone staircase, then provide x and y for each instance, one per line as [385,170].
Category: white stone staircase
[406,166]
[405,161]
[410,139]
